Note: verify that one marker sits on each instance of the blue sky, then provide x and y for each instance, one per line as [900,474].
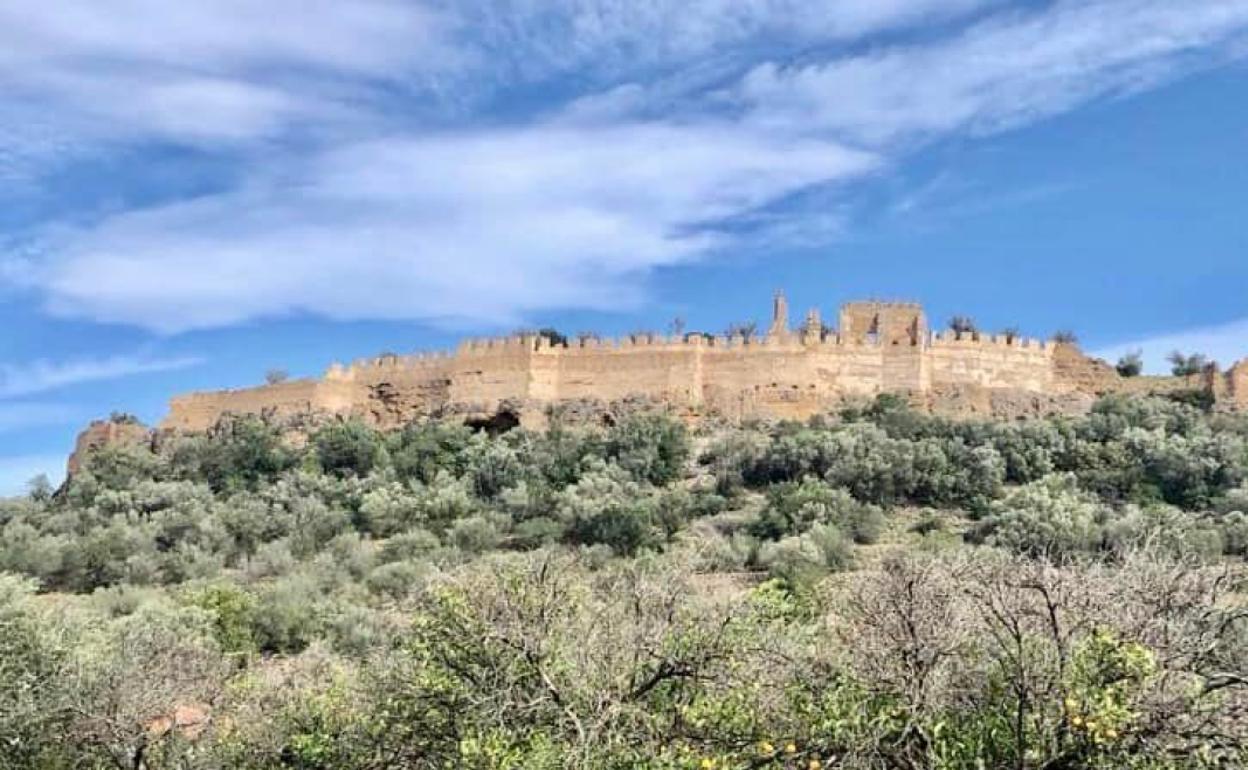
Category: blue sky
[192,193]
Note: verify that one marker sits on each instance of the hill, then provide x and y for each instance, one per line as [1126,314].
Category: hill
[876,587]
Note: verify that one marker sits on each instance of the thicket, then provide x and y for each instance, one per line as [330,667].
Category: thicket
[1053,593]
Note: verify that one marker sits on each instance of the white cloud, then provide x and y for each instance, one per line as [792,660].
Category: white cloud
[206,70]
[999,73]
[17,471]
[535,37]
[40,376]
[356,206]
[1225,343]
[482,225]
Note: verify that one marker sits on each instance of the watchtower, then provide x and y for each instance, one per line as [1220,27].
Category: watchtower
[885,323]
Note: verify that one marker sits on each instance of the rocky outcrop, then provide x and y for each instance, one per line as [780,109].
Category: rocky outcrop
[116,431]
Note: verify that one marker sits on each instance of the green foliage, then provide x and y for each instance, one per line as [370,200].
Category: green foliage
[1130,364]
[1187,365]
[438,597]
[233,611]
[348,448]
[653,448]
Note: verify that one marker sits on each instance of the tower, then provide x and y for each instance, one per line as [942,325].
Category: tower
[779,316]
[888,323]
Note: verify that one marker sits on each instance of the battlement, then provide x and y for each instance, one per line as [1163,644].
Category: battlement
[951,339]
[879,346]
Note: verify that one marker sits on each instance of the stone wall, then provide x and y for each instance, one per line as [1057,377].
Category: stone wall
[882,347]
[1236,384]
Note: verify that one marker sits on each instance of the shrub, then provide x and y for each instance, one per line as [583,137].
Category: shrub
[798,560]
[1130,364]
[347,448]
[651,447]
[1049,518]
[409,545]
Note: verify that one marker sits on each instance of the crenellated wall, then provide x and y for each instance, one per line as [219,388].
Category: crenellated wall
[882,347]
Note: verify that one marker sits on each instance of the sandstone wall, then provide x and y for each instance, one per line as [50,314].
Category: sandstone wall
[786,374]
[991,362]
[200,411]
[1236,396]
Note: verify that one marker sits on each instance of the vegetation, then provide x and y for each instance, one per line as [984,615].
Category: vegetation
[1131,364]
[963,326]
[874,589]
[1187,365]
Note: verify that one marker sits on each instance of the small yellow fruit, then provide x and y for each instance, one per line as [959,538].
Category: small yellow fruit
[790,748]
[1076,720]
[1111,733]
[765,748]
[814,764]
[708,763]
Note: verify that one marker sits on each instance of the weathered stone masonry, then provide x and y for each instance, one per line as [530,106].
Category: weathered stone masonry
[788,373]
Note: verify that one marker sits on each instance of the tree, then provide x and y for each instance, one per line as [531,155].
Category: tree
[677,327]
[746,329]
[1187,365]
[1131,364]
[40,488]
[1011,334]
[553,336]
[1065,337]
[347,448]
[962,325]
[276,376]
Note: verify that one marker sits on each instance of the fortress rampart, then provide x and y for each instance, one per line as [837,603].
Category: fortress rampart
[786,373]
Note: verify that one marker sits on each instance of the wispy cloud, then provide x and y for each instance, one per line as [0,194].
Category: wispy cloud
[1224,343]
[17,380]
[1009,70]
[380,183]
[482,225]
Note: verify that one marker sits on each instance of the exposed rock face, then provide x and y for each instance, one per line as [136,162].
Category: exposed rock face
[107,433]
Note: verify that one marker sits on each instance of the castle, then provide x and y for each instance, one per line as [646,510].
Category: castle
[786,373]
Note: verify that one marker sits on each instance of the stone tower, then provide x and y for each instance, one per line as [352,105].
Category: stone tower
[779,316]
[888,323]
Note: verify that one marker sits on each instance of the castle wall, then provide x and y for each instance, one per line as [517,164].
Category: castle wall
[200,411]
[1236,396]
[484,374]
[991,362]
[884,347]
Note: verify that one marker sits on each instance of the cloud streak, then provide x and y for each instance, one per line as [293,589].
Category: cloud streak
[17,380]
[380,179]
[1000,73]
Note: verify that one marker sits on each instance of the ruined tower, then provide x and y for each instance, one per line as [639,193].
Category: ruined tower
[779,316]
[888,323]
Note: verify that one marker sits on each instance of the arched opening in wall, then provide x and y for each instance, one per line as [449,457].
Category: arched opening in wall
[496,424]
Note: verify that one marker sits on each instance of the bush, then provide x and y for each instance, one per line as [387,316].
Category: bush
[1050,518]
[653,448]
[798,560]
[347,448]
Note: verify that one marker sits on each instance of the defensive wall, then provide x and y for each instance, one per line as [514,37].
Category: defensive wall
[878,347]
